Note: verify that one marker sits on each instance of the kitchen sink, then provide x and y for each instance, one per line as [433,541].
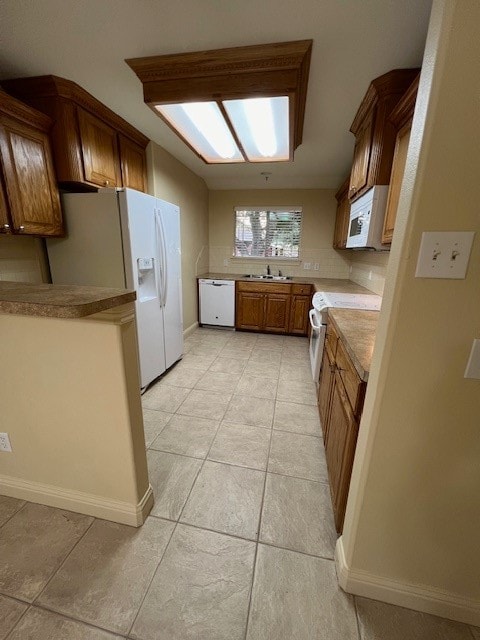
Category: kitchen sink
[269,277]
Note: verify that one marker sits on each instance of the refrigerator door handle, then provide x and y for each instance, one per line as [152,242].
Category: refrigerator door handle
[164,262]
[158,259]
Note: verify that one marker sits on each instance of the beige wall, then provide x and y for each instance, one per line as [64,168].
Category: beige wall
[22,259]
[413,518]
[170,180]
[369,268]
[71,406]
[318,221]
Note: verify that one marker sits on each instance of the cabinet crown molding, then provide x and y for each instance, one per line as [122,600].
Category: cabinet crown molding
[54,86]
[388,85]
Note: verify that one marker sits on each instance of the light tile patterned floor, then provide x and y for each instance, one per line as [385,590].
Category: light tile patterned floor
[240,542]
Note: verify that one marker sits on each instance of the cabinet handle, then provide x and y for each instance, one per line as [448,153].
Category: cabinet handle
[6,227]
[21,228]
[107,182]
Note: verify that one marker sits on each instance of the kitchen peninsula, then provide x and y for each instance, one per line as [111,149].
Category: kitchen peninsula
[70,398]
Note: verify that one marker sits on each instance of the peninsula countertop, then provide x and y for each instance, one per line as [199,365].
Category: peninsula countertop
[336,285]
[59,301]
[357,329]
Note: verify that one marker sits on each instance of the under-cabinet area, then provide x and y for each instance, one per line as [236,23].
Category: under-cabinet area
[348,348]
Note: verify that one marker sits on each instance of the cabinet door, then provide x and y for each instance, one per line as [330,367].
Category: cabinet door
[277,312]
[398,169]
[361,157]
[29,177]
[132,161]
[299,315]
[249,311]
[99,150]
[342,221]
[340,450]
[325,392]
[5,224]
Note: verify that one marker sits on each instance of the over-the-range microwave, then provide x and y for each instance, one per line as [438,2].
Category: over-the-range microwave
[366,220]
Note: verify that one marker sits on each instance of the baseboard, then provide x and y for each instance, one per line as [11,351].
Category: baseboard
[411,596]
[86,503]
[190,329]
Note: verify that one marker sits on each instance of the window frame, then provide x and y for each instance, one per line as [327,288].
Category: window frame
[275,209]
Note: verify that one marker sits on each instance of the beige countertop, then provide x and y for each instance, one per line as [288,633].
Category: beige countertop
[320,284]
[357,329]
[59,301]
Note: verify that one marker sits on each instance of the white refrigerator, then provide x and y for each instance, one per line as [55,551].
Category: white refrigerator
[127,239]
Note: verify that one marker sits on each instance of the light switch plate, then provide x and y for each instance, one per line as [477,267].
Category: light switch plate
[473,365]
[444,254]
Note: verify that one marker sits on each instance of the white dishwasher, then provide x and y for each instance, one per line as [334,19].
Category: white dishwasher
[217,302]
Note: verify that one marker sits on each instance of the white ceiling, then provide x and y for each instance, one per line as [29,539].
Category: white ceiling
[354,41]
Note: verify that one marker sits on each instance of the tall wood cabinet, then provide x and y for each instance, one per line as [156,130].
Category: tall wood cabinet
[29,200]
[92,145]
[374,133]
[401,118]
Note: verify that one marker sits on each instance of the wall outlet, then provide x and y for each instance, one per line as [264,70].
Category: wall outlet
[225,262]
[5,442]
[316,266]
[307,265]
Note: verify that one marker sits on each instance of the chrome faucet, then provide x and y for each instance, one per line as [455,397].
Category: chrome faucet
[268,269]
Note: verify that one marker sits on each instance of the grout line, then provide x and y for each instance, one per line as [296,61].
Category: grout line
[150,582]
[250,596]
[34,601]
[19,620]
[356,616]
[67,616]
[17,511]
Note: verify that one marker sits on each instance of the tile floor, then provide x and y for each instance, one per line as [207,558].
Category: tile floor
[240,541]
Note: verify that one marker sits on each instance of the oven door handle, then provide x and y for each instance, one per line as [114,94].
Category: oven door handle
[311,315]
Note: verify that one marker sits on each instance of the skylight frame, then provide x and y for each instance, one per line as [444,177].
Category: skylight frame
[271,70]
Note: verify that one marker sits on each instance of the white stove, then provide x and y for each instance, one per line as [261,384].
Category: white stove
[321,302]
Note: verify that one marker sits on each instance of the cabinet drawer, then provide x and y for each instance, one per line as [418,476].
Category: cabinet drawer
[301,289]
[354,386]
[263,287]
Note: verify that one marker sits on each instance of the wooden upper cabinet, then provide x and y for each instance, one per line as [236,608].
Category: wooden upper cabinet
[342,219]
[92,145]
[29,200]
[99,151]
[401,117]
[4,219]
[361,156]
[132,160]
[374,133]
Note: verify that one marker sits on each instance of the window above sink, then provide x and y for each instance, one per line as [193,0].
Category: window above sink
[271,233]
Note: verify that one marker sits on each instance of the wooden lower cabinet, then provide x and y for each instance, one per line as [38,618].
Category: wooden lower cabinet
[340,402]
[325,391]
[340,449]
[249,311]
[272,307]
[299,314]
[277,312]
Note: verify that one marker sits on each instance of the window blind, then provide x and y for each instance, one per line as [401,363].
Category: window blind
[270,232]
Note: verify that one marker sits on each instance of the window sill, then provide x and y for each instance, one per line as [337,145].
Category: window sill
[273,259]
